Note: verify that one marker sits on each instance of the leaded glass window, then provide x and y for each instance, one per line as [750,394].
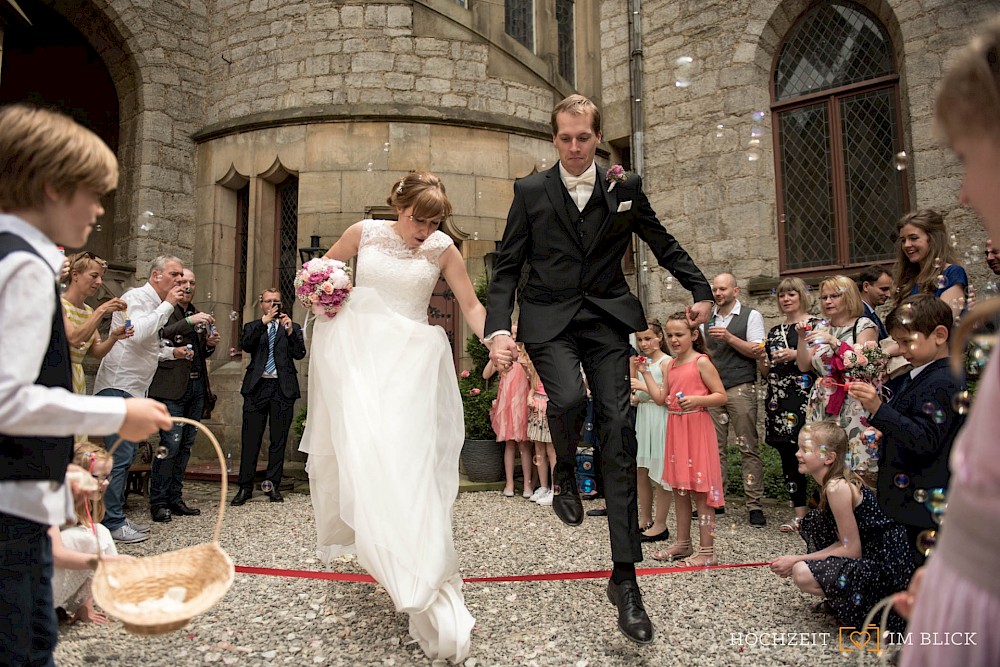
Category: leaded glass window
[836,116]
[519,21]
[287,196]
[242,250]
[567,40]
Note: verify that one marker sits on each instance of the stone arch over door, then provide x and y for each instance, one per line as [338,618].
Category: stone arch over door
[160,91]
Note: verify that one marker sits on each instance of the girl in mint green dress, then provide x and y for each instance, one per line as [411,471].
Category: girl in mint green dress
[651,435]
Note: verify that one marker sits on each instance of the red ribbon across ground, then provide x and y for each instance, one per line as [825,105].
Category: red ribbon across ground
[555,576]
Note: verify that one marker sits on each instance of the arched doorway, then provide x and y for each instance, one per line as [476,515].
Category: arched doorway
[49,63]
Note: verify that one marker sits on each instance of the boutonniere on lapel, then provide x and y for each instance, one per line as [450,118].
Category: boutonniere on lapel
[615,176]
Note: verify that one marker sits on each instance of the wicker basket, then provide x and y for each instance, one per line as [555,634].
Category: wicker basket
[205,572]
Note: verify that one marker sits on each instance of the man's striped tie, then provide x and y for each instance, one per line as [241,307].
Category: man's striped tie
[272,333]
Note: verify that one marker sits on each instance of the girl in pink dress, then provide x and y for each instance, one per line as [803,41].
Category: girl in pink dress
[692,467]
[510,421]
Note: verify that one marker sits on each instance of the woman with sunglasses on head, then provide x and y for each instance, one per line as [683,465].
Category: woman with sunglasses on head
[86,275]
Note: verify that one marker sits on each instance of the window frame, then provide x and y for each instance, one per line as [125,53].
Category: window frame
[832,98]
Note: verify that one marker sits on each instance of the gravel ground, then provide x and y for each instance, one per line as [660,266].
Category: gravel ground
[266,620]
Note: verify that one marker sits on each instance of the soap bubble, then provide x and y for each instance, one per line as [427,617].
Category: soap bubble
[147,222]
[267,486]
[905,314]
[684,69]
[901,161]
[758,116]
[98,228]
[234,316]
[369,167]
[926,541]
[753,154]
[162,452]
[385,147]
[792,487]
[920,495]
[961,402]
[757,132]
[723,418]
[928,408]
[901,480]
[741,442]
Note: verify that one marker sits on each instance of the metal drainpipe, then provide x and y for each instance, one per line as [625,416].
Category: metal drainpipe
[635,90]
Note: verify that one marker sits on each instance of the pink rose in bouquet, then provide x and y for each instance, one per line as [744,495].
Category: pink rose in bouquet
[323,285]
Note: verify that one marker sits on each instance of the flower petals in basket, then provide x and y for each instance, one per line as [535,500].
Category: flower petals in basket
[322,285]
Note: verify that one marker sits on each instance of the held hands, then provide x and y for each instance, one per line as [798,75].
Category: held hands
[503,351]
[866,395]
[213,338]
[183,353]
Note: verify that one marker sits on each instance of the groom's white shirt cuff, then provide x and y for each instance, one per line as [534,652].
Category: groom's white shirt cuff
[498,332]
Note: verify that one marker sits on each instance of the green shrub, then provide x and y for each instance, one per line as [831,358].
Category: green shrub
[774,479]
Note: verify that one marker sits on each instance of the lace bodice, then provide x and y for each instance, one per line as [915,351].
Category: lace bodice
[403,277]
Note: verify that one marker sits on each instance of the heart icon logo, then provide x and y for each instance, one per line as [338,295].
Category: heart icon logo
[860,639]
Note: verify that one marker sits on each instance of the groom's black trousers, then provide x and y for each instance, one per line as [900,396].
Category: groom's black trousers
[600,343]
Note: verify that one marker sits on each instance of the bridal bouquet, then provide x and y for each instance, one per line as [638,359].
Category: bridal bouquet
[323,285]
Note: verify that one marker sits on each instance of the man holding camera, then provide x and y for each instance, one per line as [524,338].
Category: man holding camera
[181,382]
[270,388]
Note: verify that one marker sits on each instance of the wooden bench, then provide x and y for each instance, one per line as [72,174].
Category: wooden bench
[139,472]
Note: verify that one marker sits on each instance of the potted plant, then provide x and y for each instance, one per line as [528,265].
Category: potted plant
[482,456]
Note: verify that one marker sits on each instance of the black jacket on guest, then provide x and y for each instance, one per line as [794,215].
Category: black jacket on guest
[287,348]
[918,426]
[172,376]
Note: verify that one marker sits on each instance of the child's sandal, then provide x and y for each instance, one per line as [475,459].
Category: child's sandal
[674,552]
[704,558]
[792,526]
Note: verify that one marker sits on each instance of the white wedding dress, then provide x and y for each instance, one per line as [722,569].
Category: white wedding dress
[383,434]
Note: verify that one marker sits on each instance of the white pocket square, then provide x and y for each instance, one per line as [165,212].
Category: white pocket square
[624,206]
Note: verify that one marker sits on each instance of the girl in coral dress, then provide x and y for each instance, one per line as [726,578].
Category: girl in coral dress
[692,384]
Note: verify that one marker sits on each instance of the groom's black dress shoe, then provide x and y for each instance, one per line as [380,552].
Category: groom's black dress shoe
[632,618]
[566,501]
[181,508]
[160,514]
[275,495]
[242,496]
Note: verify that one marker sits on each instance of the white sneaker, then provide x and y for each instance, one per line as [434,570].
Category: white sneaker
[128,535]
[546,499]
[539,492]
[138,527]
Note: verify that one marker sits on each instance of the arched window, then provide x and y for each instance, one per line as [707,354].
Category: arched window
[835,103]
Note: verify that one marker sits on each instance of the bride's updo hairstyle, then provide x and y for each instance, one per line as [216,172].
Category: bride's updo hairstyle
[424,192]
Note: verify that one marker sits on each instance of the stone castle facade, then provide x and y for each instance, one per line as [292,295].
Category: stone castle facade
[222,106]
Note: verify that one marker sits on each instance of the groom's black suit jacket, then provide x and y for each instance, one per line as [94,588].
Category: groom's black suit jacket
[542,233]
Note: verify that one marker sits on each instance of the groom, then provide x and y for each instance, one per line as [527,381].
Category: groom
[571,226]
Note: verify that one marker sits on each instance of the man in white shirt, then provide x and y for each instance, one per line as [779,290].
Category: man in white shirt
[53,173]
[128,369]
[735,338]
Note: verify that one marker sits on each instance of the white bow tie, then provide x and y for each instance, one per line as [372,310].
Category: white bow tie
[586,178]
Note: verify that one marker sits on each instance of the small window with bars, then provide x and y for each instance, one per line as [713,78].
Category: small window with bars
[519,21]
[287,264]
[566,40]
[836,117]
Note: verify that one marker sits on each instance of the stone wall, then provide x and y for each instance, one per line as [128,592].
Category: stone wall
[720,205]
[277,55]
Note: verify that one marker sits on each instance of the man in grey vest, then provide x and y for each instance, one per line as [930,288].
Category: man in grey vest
[735,338]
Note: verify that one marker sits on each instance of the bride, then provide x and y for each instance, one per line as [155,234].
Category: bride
[385,423]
